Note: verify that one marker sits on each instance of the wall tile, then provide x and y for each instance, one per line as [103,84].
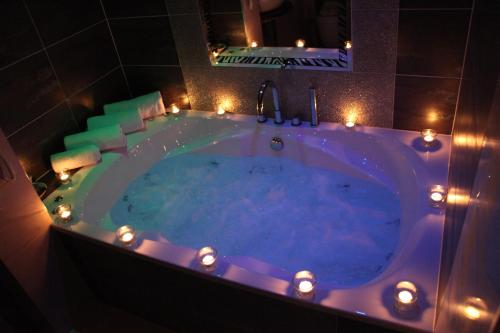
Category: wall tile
[432,42]
[425,102]
[18,38]
[83,58]
[133,8]
[375,30]
[89,102]
[58,19]
[35,143]
[229,29]
[421,4]
[370,4]
[222,6]
[176,7]
[169,80]
[144,41]
[30,88]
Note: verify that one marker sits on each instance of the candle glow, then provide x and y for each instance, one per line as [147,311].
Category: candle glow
[63,177]
[437,195]
[63,212]
[428,135]
[207,256]
[220,110]
[254,44]
[472,312]
[350,121]
[174,109]
[304,283]
[348,44]
[405,296]
[475,308]
[300,43]
[125,234]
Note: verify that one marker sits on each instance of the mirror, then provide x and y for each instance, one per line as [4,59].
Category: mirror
[301,34]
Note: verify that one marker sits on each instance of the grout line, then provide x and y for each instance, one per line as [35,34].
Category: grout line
[395,75]
[137,17]
[21,59]
[36,118]
[467,41]
[47,46]
[43,175]
[173,66]
[182,14]
[93,82]
[116,49]
[440,9]
[74,34]
[66,100]
[224,13]
[429,76]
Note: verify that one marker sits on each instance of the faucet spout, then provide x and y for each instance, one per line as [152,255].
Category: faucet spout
[278,117]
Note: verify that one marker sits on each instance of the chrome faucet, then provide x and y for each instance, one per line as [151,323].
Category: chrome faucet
[313,106]
[261,118]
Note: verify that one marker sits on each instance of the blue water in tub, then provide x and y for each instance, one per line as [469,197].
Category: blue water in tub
[277,210]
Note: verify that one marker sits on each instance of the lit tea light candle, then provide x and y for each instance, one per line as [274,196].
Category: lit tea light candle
[174,109]
[63,212]
[348,44]
[350,121]
[207,256]
[304,282]
[428,135]
[254,44]
[215,54]
[405,296]
[125,234]
[475,308]
[220,110]
[300,43]
[437,195]
[472,312]
[64,177]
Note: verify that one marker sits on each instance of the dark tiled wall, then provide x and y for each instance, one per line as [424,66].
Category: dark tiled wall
[368,89]
[146,48]
[57,64]
[224,22]
[474,169]
[60,61]
[431,47]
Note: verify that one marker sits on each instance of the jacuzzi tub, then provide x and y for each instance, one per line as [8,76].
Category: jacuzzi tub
[392,159]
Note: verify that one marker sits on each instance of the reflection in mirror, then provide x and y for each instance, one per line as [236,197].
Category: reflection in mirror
[285,23]
[302,34]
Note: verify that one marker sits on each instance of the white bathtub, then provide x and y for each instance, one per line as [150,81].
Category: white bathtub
[392,157]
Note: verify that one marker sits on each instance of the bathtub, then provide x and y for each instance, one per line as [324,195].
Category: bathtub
[396,159]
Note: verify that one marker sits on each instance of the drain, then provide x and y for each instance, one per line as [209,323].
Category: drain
[277,143]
